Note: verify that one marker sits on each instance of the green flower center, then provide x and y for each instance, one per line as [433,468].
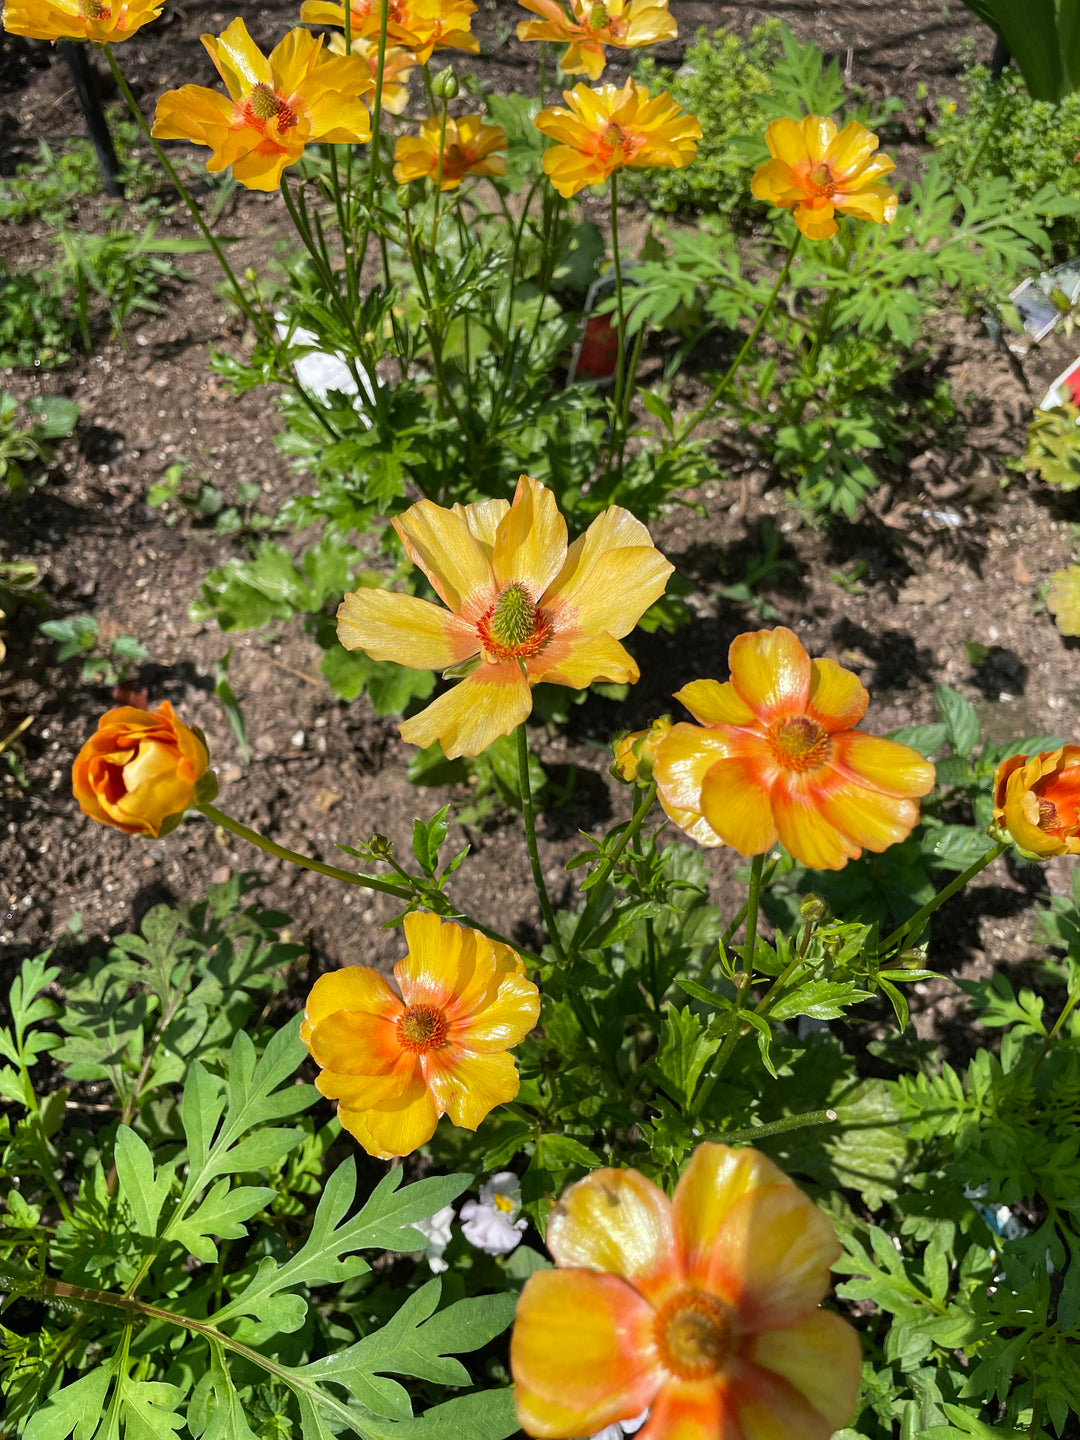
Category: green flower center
[93,10]
[264,103]
[821,179]
[513,619]
[599,19]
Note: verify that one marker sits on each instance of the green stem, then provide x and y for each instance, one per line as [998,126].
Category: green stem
[972,167]
[776,1127]
[913,925]
[530,840]
[753,896]
[438,175]
[376,114]
[583,927]
[695,420]
[618,437]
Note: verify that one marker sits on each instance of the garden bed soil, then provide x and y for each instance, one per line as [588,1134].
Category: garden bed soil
[951,555]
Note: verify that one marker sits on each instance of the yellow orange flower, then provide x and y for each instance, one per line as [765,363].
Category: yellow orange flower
[437,25]
[274,107]
[522,607]
[79,19]
[591,25]
[1037,800]
[398,65]
[636,751]
[396,1063]
[608,128]
[702,1310]
[141,770]
[469,150]
[779,759]
[815,171]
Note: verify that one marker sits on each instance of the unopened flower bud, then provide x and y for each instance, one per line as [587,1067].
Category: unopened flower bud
[444,85]
[813,909]
[381,846]
[141,771]
[251,275]
[404,197]
[635,752]
[911,959]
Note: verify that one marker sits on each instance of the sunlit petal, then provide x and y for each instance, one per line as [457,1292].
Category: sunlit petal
[618,1222]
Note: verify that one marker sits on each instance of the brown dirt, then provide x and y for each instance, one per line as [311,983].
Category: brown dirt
[951,557]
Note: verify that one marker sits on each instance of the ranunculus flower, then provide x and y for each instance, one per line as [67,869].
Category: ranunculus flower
[141,770]
[522,607]
[79,19]
[396,1063]
[398,66]
[418,25]
[274,108]
[469,150]
[815,172]
[608,128]
[778,758]
[702,1310]
[1037,800]
[592,24]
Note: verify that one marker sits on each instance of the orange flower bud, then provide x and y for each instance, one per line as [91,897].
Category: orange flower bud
[1037,800]
[142,770]
[636,751]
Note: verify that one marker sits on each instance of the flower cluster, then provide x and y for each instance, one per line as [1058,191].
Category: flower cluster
[592,24]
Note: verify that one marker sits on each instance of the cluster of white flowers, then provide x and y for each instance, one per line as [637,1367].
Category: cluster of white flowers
[490,1224]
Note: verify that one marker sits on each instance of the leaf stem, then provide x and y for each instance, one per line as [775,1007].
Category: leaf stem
[584,925]
[915,923]
[530,839]
[776,1127]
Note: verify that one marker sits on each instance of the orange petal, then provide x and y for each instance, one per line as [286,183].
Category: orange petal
[687,1410]
[530,543]
[467,1087]
[804,831]
[821,1357]
[442,544]
[883,765]
[771,671]
[582,1353]
[867,817]
[352,1042]
[396,1126]
[354,987]
[579,660]
[388,626]
[442,958]
[838,699]
[611,575]
[618,1222]
[503,1021]
[494,700]
[713,703]
[736,800]
[714,1180]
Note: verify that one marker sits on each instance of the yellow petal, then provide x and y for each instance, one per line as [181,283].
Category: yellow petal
[816,221]
[713,703]
[883,765]
[580,660]
[467,1087]
[821,1357]
[442,958]
[683,758]
[786,141]
[714,1180]
[354,987]
[774,183]
[292,58]
[396,1126]
[190,113]
[570,171]
[441,543]
[873,204]
[402,628]
[355,1042]
[612,574]
[851,149]
[618,1222]
[364,1091]
[838,699]
[504,1021]
[530,543]
[771,671]
[804,831]
[582,1353]
[818,133]
[736,802]
[868,818]
[483,518]
[692,824]
[494,700]
[239,61]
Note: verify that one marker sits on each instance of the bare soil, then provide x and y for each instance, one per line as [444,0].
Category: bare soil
[952,555]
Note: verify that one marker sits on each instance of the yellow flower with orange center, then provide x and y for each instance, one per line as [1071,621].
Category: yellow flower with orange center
[608,128]
[522,607]
[79,19]
[418,25]
[592,24]
[779,759]
[703,1310]
[274,108]
[141,770]
[394,1063]
[816,171]
[469,149]
[398,66]
[1037,800]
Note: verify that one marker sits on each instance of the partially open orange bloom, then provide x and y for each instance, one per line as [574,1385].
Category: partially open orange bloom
[636,751]
[419,25]
[779,759]
[395,1064]
[141,770]
[274,107]
[1037,800]
[592,24]
[469,150]
[523,607]
[79,19]
[608,128]
[702,1310]
[398,65]
[814,172]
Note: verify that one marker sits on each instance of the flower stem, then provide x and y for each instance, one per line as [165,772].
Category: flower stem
[584,925]
[753,897]
[915,923]
[376,113]
[530,840]
[695,420]
[618,430]
[777,1127]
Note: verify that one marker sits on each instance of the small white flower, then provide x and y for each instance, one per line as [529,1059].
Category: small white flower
[488,1223]
[436,1231]
[621,1428]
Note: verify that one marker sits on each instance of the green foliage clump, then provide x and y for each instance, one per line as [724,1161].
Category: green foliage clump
[36,327]
[48,188]
[1053,449]
[27,433]
[999,130]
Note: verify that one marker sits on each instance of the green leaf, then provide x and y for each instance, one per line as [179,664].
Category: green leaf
[926,739]
[821,999]
[222,1212]
[960,719]
[76,1409]
[143,1190]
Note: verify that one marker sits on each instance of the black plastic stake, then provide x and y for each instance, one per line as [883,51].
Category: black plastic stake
[86,88]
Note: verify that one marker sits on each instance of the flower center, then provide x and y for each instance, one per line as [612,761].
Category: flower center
[693,1335]
[263,105]
[514,628]
[798,743]
[505,1204]
[421,1028]
[821,179]
[93,10]
[1048,814]
[599,17]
